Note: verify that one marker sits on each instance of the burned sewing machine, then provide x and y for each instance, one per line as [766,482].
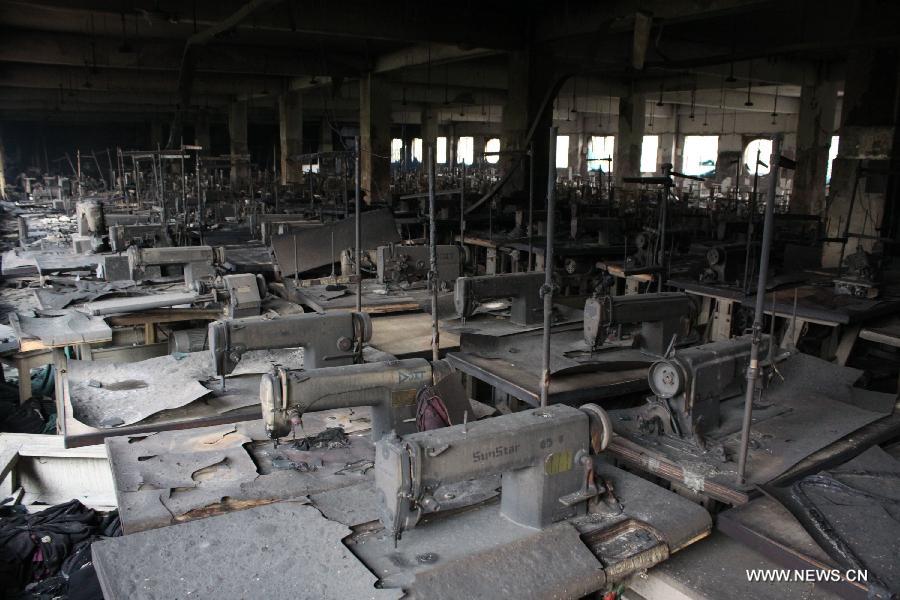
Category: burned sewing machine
[389,388]
[662,318]
[726,263]
[409,265]
[860,274]
[193,262]
[544,456]
[523,290]
[690,384]
[330,339]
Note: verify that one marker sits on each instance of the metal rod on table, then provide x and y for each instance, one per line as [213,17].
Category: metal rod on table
[765,251]
[462,201]
[432,252]
[358,176]
[531,207]
[78,155]
[547,288]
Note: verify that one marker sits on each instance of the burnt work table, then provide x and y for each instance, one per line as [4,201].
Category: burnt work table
[798,306]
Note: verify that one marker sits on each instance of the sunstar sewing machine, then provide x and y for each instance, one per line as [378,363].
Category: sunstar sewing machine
[544,456]
[585,522]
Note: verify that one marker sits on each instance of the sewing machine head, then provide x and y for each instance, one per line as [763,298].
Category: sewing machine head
[389,388]
[544,457]
[329,339]
[690,385]
[662,316]
[526,307]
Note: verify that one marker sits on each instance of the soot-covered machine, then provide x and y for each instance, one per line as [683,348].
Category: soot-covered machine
[523,290]
[389,388]
[662,316]
[329,339]
[689,386]
[544,457]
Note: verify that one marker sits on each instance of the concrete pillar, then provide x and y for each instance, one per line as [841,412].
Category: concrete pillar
[202,137]
[815,127]
[237,134]
[429,129]
[578,146]
[451,144]
[630,138]
[530,78]
[666,151]
[375,136]
[326,136]
[290,135]
[478,143]
[870,149]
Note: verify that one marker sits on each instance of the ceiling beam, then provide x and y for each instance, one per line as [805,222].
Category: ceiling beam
[77,50]
[489,25]
[127,80]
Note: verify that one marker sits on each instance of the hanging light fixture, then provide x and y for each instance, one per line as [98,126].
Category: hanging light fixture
[693,102]
[574,102]
[660,102]
[775,106]
[731,78]
[749,102]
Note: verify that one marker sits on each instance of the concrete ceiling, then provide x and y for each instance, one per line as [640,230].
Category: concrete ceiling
[146,57]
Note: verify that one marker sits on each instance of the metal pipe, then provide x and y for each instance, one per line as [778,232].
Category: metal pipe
[358,231]
[432,252]
[462,203]
[531,207]
[751,213]
[765,251]
[547,289]
[78,154]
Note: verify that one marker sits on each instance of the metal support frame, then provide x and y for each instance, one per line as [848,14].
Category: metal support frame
[432,252]
[765,251]
[358,229]
[547,289]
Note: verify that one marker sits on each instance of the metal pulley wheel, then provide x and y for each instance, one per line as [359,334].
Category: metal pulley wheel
[600,427]
[665,379]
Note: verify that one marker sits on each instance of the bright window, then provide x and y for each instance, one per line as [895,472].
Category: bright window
[492,145]
[700,154]
[465,150]
[440,152]
[649,148]
[309,168]
[600,149]
[562,152]
[417,149]
[832,154]
[396,150]
[764,147]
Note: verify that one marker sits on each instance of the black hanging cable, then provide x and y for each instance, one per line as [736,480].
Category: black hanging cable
[749,102]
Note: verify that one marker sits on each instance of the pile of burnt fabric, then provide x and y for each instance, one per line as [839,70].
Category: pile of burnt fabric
[47,555]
